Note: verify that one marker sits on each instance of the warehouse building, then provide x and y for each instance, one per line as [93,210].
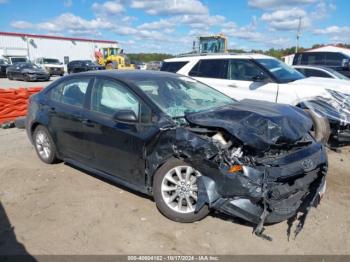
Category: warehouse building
[65,49]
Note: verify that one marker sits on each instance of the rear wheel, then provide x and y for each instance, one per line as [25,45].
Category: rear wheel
[175,192]
[44,146]
[321,128]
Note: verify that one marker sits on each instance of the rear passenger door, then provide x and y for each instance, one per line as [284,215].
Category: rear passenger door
[66,113]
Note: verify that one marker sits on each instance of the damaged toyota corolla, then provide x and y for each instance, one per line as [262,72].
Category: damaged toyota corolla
[189,146]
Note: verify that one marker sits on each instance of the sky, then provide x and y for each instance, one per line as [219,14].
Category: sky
[171,26]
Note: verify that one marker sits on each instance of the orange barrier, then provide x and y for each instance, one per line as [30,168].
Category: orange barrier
[14,102]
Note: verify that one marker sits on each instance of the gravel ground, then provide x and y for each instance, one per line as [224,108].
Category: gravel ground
[58,209]
[6,83]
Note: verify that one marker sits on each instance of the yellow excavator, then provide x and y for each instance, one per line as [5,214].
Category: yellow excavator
[113,58]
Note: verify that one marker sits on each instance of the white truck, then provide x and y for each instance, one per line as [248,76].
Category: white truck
[52,65]
[261,77]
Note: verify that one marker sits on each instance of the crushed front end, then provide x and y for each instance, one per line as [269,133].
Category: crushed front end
[256,163]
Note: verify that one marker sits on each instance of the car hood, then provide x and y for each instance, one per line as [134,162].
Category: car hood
[53,65]
[257,124]
[323,83]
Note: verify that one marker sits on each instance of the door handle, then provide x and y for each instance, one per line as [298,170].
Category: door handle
[88,123]
[233,85]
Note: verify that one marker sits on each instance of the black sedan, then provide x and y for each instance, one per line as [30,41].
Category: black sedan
[77,66]
[189,146]
[27,72]
[3,67]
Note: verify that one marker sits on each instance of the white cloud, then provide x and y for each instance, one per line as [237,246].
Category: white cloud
[274,4]
[336,34]
[157,25]
[22,25]
[108,7]
[286,19]
[170,7]
[322,10]
[333,30]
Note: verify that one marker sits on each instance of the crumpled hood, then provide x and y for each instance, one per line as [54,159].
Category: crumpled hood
[257,124]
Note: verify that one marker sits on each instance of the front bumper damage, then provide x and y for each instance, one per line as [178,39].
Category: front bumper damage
[281,170]
[271,192]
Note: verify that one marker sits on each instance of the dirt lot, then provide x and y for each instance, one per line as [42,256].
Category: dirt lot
[60,210]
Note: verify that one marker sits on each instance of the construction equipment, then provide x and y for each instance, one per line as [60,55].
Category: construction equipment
[113,58]
[212,44]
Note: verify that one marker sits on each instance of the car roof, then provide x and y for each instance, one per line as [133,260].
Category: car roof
[129,74]
[311,67]
[217,56]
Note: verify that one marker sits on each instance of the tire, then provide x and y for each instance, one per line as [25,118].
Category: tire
[9,76]
[42,139]
[162,194]
[26,78]
[321,128]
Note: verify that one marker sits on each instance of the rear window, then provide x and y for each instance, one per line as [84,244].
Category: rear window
[211,68]
[173,67]
[313,58]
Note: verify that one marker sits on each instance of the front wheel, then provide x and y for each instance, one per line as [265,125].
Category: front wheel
[175,192]
[44,146]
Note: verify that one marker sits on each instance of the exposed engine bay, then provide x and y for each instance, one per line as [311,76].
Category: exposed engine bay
[273,171]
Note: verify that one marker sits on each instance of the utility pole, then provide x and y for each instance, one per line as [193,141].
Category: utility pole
[298,35]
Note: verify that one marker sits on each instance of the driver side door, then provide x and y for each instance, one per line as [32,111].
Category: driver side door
[246,80]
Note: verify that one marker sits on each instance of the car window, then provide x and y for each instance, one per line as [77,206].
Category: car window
[177,96]
[71,92]
[316,73]
[313,58]
[242,70]
[173,66]
[108,97]
[334,59]
[211,68]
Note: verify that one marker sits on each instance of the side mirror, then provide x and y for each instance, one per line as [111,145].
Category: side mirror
[125,116]
[345,63]
[261,77]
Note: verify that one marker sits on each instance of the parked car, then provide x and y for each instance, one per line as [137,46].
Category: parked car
[3,66]
[27,72]
[82,66]
[189,146]
[338,61]
[320,71]
[265,78]
[141,66]
[154,65]
[52,65]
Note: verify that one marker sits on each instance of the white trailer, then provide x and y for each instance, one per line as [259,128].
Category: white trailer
[65,49]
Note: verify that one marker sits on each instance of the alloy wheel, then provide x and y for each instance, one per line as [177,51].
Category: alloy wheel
[179,189]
